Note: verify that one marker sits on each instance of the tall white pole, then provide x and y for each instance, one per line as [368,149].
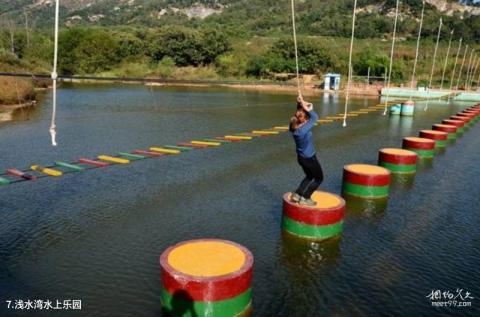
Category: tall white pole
[418,48]
[391,57]
[446,59]
[53,127]
[455,64]
[350,64]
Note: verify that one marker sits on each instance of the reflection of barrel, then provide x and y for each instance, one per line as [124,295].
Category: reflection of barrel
[366,181]
[398,160]
[323,221]
[439,137]
[468,121]
[395,109]
[450,129]
[425,148]
[458,123]
[206,278]
[408,108]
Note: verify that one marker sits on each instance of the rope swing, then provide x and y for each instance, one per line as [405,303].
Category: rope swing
[418,47]
[461,67]
[455,65]
[53,127]
[433,63]
[446,59]
[350,65]
[296,46]
[391,58]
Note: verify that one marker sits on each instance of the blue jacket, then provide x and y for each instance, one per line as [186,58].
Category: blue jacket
[304,138]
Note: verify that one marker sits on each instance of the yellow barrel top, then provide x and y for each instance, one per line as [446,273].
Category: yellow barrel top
[367,169]
[207,258]
[445,125]
[326,200]
[398,152]
[419,140]
[434,132]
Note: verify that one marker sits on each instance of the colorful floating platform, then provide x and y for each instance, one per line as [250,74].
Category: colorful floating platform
[398,160]
[206,277]
[321,222]
[366,181]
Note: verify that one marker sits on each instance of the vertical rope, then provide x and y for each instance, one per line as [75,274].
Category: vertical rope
[350,64]
[434,61]
[53,127]
[446,59]
[474,74]
[418,48]
[391,58]
[469,69]
[455,65]
[461,68]
[296,45]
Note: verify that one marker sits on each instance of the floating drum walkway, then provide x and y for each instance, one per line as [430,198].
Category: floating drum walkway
[408,108]
[425,148]
[206,278]
[398,160]
[468,121]
[366,181]
[439,137]
[323,221]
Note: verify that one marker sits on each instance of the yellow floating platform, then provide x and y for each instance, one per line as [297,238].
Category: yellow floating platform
[164,151]
[325,121]
[237,137]
[265,132]
[46,171]
[283,128]
[335,118]
[112,159]
[206,143]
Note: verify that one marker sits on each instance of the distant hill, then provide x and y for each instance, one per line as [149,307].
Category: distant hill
[247,18]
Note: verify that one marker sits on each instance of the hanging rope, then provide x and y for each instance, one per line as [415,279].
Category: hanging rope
[350,64]
[472,78]
[296,46]
[446,59]
[461,68]
[53,127]
[469,69]
[391,58]
[418,48]
[455,65]
[433,63]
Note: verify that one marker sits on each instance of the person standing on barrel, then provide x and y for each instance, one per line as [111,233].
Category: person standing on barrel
[301,128]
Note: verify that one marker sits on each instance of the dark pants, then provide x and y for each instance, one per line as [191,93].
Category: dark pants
[313,178]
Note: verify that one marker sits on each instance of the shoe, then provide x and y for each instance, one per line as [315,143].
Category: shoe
[295,198]
[307,202]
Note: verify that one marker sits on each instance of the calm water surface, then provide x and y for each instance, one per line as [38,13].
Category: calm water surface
[97,236]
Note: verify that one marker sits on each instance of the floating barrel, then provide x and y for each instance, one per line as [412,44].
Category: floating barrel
[468,121]
[398,160]
[112,159]
[425,148]
[164,150]
[459,124]
[395,109]
[408,108]
[450,129]
[439,137]
[46,171]
[366,181]
[206,278]
[323,221]
[193,146]
[17,173]
[472,114]
[70,167]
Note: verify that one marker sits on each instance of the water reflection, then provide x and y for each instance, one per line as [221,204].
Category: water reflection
[17,113]
[309,254]
[424,163]
[369,207]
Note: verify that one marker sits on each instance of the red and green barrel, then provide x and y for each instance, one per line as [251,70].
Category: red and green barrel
[206,277]
[458,123]
[366,181]
[468,121]
[439,137]
[323,221]
[425,148]
[450,129]
[398,160]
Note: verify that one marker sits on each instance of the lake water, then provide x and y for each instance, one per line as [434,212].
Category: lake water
[97,236]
